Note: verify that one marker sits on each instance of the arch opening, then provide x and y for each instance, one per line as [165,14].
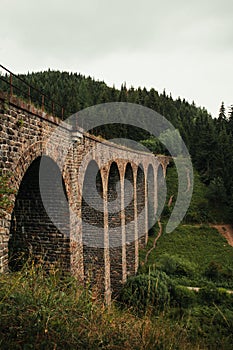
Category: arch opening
[92,212]
[141,205]
[115,229]
[129,219]
[151,198]
[38,234]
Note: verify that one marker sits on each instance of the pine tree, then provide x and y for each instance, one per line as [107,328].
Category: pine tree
[230,120]
[123,93]
[222,112]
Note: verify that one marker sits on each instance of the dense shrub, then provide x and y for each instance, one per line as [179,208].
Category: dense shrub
[214,295]
[218,273]
[147,291]
[213,270]
[174,265]
[183,297]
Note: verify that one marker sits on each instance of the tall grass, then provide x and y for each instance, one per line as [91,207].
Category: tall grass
[48,311]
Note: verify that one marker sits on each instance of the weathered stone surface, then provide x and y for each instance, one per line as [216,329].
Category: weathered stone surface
[70,239]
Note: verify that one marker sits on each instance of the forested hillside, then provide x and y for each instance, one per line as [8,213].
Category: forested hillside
[208,140]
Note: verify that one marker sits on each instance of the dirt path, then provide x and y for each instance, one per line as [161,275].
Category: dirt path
[155,241]
[226,231]
[198,288]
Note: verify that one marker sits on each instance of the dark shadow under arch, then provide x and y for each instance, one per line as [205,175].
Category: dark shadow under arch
[92,212]
[141,205]
[36,233]
[129,219]
[151,197]
[115,229]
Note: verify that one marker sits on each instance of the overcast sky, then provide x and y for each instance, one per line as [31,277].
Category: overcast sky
[183,46]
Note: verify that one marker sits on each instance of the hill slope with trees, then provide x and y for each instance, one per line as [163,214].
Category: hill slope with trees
[209,140]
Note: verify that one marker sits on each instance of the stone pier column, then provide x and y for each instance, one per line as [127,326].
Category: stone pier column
[146,207]
[136,221]
[124,262]
[107,279]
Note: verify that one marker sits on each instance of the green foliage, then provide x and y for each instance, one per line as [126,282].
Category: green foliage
[213,270]
[208,203]
[6,191]
[5,106]
[217,192]
[50,311]
[173,141]
[183,297]
[213,324]
[188,252]
[214,295]
[197,257]
[200,210]
[175,265]
[222,112]
[219,273]
[153,145]
[20,123]
[208,140]
[147,291]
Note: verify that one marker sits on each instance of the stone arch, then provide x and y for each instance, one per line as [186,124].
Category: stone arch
[38,149]
[92,215]
[140,184]
[40,228]
[163,161]
[25,160]
[115,227]
[129,206]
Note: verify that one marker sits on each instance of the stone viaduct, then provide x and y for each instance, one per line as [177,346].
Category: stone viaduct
[92,231]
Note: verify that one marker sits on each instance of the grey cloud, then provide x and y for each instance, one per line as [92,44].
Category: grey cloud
[93,28]
[74,33]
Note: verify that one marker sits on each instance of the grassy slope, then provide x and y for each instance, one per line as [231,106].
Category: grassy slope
[197,247]
[193,241]
[39,311]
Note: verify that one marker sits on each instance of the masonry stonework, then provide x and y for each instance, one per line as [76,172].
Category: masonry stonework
[87,237]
